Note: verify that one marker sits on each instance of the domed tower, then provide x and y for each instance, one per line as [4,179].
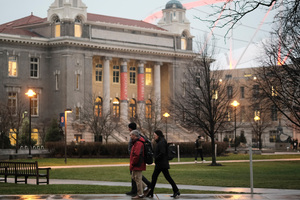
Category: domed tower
[175,21]
[67,17]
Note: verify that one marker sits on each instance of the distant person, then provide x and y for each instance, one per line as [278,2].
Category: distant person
[161,164]
[133,192]
[199,148]
[295,144]
[137,163]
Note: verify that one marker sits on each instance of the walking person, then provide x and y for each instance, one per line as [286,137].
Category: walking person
[137,163]
[132,126]
[198,148]
[161,164]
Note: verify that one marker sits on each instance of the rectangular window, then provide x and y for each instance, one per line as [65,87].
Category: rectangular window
[12,66]
[243,114]
[132,75]
[56,82]
[57,30]
[198,79]
[242,92]
[229,92]
[35,105]
[98,73]
[148,74]
[77,81]
[274,113]
[228,76]
[77,113]
[12,102]
[272,137]
[75,3]
[116,74]
[77,30]
[34,67]
[215,94]
[255,91]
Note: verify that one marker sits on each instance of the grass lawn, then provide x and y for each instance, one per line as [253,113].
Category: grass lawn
[283,174]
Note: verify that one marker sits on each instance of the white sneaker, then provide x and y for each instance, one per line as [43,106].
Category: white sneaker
[203,161]
[195,161]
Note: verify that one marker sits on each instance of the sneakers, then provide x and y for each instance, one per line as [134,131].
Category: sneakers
[196,161]
[203,161]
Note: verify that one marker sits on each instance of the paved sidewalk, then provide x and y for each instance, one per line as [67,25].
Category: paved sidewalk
[242,193]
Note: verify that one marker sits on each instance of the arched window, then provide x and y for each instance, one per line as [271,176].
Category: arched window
[183,41]
[77,27]
[116,108]
[56,21]
[132,108]
[98,107]
[148,112]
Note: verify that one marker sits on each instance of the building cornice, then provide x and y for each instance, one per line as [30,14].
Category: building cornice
[93,44]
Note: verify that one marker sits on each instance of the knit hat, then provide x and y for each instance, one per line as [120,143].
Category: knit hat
[132,126]
[159,133]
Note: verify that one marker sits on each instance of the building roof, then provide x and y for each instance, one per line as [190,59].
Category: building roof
[16,27]
[174,3]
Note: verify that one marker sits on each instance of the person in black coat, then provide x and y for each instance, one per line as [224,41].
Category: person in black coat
[161,164]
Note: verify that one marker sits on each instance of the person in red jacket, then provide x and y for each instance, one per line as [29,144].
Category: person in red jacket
[137,164]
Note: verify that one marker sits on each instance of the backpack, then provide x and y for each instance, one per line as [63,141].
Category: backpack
[171,151]
[197,143]
[148,152]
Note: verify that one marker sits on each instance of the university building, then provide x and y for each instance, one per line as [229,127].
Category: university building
[72,56]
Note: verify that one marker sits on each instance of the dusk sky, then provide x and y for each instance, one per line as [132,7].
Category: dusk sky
[141,9]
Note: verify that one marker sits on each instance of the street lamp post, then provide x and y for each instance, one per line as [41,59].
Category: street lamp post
[256,119]
[166,115]
[66,114]
[235,104]
[30,94]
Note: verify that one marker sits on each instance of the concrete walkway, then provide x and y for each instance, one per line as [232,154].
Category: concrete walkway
[242,193]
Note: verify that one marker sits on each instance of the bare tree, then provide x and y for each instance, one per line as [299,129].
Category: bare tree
[101,124]
[231,12]
[203,102]
[4,125]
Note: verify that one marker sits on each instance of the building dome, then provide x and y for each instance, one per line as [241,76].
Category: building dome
[174,4]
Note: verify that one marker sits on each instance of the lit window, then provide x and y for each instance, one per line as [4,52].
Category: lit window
[13,136]
[77,27]
[77,81]
[116,108]
[34,106]
[148,75]
[12,102]
[132,108]
[98,73]
[34,67]
[116,74]
[98,107]
[132,74]
[183,42]
[148,109]
[12,66]
[35,135]
[215,94]
[57,27]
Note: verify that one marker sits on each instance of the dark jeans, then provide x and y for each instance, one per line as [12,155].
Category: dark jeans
[198,151]
[133,184]
[166,175]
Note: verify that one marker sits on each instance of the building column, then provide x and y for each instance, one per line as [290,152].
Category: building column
[157,90]
[141,91]
[106,86]
[123,92]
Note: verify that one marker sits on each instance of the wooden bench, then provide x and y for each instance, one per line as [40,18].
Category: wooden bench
[24,169]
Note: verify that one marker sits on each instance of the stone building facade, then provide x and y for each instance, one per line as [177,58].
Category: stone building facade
[72,55]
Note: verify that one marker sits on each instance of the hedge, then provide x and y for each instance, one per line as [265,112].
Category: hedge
[120,150]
